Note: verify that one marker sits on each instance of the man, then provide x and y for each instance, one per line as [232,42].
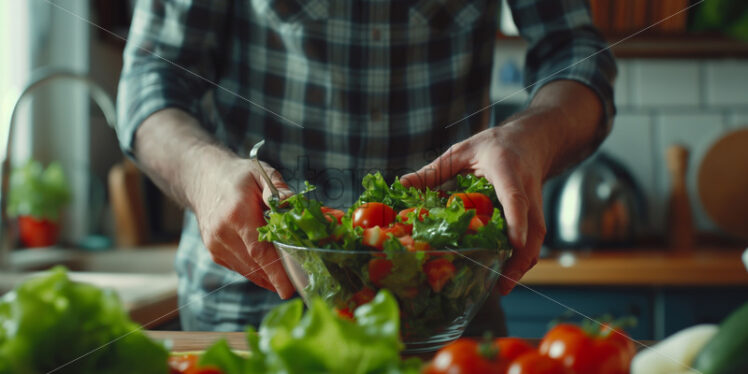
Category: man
[338,88]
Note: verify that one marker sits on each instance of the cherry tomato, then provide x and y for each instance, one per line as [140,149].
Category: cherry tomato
[373,214]
[533,362]
[403,214]
[438,273]
[364,296]
[379,268]
[604,351]
[331,214]
[477,222]
[474,200]
[375,236]
[187,364]
[464,356]
[511,348]
[413,245]
[345,313]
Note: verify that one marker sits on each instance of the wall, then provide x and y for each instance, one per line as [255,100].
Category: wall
[660,103]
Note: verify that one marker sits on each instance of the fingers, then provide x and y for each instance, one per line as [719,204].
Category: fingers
[514,200]
[524,258]
[277,180]
[230,256]
[266,255]
[444,167]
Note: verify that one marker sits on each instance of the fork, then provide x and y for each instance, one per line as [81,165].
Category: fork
[275,195]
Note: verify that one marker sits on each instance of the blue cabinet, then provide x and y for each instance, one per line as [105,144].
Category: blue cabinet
[659,311]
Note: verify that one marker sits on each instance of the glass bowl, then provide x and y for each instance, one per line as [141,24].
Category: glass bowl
[433,313]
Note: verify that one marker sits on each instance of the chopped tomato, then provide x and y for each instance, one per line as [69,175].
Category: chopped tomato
[533,362]
[365,295]
[400,229]
[373,214]
[474,200]
[331,213]
[346,313]
[187,364]
[413,245]
[438,273]
[379,268]
[477,222]
[403,214]
[375,236]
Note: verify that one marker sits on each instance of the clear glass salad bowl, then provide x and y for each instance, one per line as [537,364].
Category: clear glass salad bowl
[436,300]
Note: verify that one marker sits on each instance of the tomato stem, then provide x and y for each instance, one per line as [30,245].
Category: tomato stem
[487,349]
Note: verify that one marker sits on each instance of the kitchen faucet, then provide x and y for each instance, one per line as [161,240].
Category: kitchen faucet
[38,78]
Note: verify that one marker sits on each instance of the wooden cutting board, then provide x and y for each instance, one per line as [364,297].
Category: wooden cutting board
[723,183]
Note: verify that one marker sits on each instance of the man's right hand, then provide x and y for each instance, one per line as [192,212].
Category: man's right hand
[227,193]
[229,201]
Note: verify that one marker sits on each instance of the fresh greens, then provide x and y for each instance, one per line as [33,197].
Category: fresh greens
[319,341]
[36,191]
[438,268]
[52,323]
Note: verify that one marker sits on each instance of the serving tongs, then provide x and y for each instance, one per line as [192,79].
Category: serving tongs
[275,200]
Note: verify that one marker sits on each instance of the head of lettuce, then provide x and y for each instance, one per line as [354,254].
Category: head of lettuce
[50,324]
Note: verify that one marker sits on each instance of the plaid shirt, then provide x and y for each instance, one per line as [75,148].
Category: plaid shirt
[337,88]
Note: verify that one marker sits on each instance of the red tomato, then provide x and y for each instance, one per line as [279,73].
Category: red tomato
[365,295]
[464,356]
[477,222]
[605,351]
[373,214]
[37,232]
[438,273]
[403,214]
[511,348]
[375,236]
[379,268]
[187,364]
[534,363]
[345,313]
[413,245]
[474,200]
[331,213]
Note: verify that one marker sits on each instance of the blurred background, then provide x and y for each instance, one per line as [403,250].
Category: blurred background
[651,226]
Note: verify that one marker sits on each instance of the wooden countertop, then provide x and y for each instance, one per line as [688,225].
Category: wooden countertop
[185,341]
[641,267]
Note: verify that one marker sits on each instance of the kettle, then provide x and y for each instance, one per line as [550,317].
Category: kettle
[597,204]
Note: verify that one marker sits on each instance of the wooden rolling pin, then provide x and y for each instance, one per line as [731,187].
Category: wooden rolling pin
[680,220]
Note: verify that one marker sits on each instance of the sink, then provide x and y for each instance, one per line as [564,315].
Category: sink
[144,278]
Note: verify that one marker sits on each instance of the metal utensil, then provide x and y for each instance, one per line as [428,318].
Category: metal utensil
[275,198]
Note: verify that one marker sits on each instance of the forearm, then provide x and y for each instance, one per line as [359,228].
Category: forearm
[173,150]
[576,127]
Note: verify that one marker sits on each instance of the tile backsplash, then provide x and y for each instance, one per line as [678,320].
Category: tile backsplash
[661,103]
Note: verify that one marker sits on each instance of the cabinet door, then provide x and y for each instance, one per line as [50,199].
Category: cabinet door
[529,313]
[685,307]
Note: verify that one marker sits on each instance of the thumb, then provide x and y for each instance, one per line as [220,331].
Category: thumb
[443,168]
[277,181]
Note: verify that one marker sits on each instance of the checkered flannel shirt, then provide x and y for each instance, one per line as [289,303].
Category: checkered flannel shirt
[337,88]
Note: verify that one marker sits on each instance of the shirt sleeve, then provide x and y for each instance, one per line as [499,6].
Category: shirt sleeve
[564,44]
[170,60]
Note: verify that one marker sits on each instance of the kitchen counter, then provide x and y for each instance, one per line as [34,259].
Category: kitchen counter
[641,267]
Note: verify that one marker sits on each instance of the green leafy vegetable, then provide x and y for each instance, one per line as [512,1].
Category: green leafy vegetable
[38,192]
[321,342]
[52,323]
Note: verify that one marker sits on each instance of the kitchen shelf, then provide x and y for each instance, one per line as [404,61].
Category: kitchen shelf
[641,267]
[670,46]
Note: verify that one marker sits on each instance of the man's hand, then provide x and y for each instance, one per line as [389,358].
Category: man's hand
[517,157]
[229,200]
[227,193]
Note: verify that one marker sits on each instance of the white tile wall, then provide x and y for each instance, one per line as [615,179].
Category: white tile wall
[738,119]
[659,83]
[727,83]
[623,84]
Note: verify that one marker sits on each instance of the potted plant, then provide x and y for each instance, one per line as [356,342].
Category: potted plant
[37,196]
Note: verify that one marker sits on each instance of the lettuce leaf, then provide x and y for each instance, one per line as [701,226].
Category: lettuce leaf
[52,323]
[319,341]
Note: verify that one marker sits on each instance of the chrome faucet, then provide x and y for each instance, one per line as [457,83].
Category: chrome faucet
[38,78]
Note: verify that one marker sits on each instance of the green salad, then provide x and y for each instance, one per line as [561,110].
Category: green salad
[439,253]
